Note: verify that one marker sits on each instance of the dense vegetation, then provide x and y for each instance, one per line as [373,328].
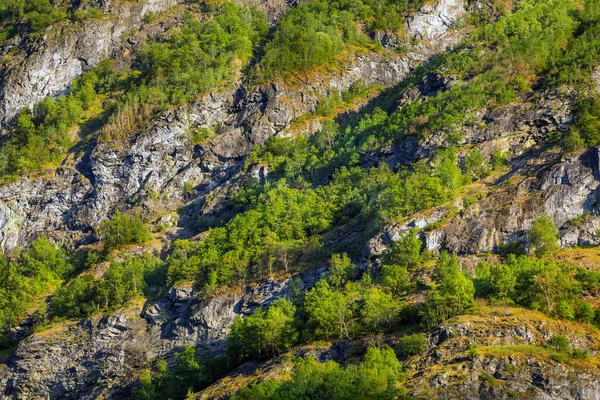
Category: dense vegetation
[28,16]
[29,273]
[375,378]
[42,136]
[318,186]
[121,230]
[315,31]
[198,57]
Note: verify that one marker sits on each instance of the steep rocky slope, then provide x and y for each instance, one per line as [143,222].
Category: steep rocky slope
[157,169]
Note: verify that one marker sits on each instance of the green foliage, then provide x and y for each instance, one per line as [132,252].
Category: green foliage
[473,353]
[44,134]
[452,295]
[584,312]
[576,65]
[14,294]
[495,281]
[315,31]
[474,164]
[544,236]
[122,281]
[406,252]
[379,310]
[200,55]
[263,334]
[187,375]
[341,270]
[396,278]
[328,312]
[559,343]
[191,61]
[411,345]
[533,283]
[374,378]
[564,310]
[28,273]
[268,235]
[122,229]
[28,16]
[579,354]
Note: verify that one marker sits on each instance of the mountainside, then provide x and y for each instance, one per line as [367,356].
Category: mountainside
[299,199]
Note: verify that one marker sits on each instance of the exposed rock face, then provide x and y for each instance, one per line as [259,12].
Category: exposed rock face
[151,167]
[451,373]
[539,182]
[432,22]
[159,158]
[102,356]
[51,200]
[47,68]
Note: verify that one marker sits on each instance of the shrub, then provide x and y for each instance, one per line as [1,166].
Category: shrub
[263,334]
[122,229]
[544,236]
[579,354]
[559,343]
[585,312]
[564,310]
[411,345]
[473,353]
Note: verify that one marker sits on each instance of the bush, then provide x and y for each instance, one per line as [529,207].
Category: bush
[564,310]
[472,352]
[411,345]
[375,378]
[579,354]
[544,236]
[121,230]
[559,343]
[263,334]
[585,312]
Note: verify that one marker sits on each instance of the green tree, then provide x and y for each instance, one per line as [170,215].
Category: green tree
[453,293]
[411,345]
[544,236]
[553,285]
[379,309]
[474,164]
[122,229]
[14,294]
[375,378]
[328,311]
[406,252]
[496,282]
[341,270]
[585,312]
[396,278]
[264,333]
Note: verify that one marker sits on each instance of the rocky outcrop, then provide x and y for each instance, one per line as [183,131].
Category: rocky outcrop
[102,356]
[469,359]
[159,160]
[46,67]
[537,181]
[499,353]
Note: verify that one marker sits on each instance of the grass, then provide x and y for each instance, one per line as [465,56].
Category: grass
[586,257]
